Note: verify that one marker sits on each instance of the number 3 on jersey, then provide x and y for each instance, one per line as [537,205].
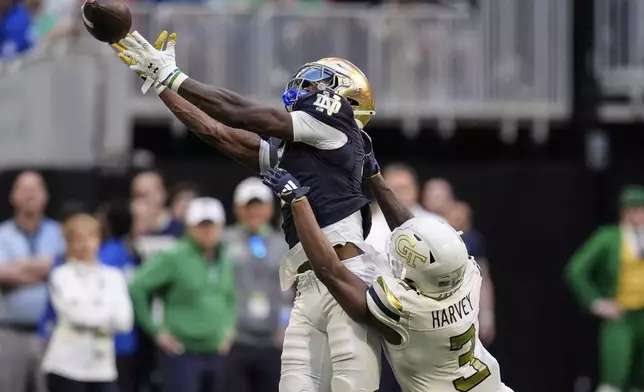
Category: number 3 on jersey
[465,384]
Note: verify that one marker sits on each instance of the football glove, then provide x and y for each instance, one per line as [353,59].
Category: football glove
[284,185]
[160,65]
[158,44]
[371,166]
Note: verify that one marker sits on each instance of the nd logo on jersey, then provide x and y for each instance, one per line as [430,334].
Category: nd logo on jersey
[405,245]
[325,102]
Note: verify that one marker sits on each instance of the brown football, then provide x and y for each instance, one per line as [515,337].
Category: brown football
[107,20]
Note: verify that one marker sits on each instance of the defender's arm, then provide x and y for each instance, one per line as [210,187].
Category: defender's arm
[395,213]
[348,289]
[236,111]
[245,147]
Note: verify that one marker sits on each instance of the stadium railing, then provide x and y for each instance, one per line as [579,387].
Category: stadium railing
[509,59]
[619,57]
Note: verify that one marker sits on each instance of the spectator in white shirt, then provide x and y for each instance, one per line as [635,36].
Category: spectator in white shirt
[92,304]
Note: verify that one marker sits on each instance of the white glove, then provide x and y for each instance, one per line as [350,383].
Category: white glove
[121,47]
[159,65]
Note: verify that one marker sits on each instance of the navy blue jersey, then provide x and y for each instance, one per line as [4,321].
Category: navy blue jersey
[334,176]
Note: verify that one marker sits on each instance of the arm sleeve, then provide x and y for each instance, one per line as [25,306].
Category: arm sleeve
[582,265]
[315,133]
[383,300]
[267,156]
[70,302]
[122,316]
[154,274]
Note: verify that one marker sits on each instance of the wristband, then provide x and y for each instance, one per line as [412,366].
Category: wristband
[175,79]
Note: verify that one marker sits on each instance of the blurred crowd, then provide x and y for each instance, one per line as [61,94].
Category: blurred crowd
[157,293]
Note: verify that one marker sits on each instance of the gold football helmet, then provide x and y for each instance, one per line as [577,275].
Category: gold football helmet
[345,79]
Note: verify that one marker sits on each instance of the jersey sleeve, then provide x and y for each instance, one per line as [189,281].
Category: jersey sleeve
[309,130]
[384,299]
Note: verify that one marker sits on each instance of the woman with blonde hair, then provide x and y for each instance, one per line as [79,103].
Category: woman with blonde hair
[92,303]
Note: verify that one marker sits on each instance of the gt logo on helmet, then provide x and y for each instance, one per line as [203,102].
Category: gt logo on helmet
[405,245]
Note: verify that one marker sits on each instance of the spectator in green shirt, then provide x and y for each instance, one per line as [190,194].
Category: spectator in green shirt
[196,284]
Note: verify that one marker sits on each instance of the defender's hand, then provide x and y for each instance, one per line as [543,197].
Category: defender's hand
[284,185]
[158,45]
[371,166]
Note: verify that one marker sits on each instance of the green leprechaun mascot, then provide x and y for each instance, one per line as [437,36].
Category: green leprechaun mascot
[607,276]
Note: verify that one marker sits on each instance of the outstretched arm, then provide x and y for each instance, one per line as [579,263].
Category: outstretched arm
[236,111]
[347,288]
[344,285]
[395,213]
[243,146]
[223,105]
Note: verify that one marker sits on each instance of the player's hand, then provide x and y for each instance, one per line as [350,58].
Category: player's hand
[371,166]
[160,65]
[284,185]
[159,44]
[169,344]
[606,309]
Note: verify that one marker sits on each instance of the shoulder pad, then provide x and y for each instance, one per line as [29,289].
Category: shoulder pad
[385,302]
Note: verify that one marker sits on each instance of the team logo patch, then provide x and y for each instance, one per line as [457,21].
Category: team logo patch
[324,102]
[405,245]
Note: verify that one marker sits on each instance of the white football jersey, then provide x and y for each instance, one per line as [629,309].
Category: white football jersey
[440,348]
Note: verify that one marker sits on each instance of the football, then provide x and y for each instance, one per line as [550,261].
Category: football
[107,20]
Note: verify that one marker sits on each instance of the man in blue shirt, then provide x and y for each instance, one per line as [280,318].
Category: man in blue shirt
[28,244]
[15,29]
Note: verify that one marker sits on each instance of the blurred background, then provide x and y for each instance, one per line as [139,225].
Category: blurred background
[527,114]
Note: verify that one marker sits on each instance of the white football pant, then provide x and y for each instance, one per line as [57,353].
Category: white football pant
[324,349]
